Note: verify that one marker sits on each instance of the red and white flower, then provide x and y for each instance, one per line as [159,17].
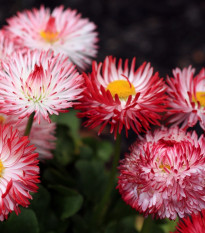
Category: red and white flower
[38,82]
[164,174]
[186,98]
[121,97]
[19,172]
[193,224]
[63,31]
[45,143]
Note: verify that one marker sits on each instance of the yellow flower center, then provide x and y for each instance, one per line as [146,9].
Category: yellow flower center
[122,88]
[200,96]
[1,168]
[50,37]
[50,34]
[2,119]
[162,166]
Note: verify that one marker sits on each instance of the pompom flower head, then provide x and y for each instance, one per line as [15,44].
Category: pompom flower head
[186,98]
[122,97]
[18,171]
[38,82]
[63,31]
[45,143]
[164,174]
[193,224]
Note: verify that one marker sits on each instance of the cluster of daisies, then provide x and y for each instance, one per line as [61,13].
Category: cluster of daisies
[42,56]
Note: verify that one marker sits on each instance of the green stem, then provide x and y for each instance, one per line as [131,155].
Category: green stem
[29,124]
[105,201]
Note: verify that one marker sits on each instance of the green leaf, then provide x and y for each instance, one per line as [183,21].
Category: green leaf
[54,176]
[86,152]
[67,202]
[151,226]
[124,226]
[25,222]
[80,224]
[52,222]
[92,179]
[72,122]
[40,202]
[64,147]
[104,150]
[120,209]
[169,226]
[69,119]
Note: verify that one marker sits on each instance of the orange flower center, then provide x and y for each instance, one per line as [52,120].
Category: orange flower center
[164,167]
[2,119]
[200,96]
[50,34]
[122,88]
[1,168]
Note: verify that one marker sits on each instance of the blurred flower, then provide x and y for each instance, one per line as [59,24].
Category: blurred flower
[164,174]
[40,82]
[6,46]
[19,172]
[193,224]
[122,97]
[63,31]
[186,98]
[43,143]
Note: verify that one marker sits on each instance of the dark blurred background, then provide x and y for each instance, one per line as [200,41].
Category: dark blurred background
[168,33]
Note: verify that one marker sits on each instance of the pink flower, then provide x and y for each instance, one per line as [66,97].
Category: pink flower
[186,98]
[45,143]
[193,224]
[63,31]
[19,172]
[164,174]
[121,97]
[7,47]
[38,82]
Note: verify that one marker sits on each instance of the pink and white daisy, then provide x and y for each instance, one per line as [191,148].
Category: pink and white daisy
[19,172]
[63,31]
[38,82]
[45,143]
[193,224]
[186,98]
[164,174]
[121,97]
[7,47]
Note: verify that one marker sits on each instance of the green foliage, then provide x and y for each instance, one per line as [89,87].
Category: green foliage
[91,179]
[66,201]
[169,226]
[25,222]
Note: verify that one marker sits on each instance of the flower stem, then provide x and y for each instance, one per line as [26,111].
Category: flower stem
[105,201]
[29,124]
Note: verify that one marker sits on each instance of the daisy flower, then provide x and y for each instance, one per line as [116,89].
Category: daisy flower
[121,97]
[6,46]
[45,143]
[193,224]
[19,172]
[186,98]
[164,174]
[38,82]
[63,31]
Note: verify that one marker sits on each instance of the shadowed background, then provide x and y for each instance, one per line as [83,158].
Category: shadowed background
[168,33]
